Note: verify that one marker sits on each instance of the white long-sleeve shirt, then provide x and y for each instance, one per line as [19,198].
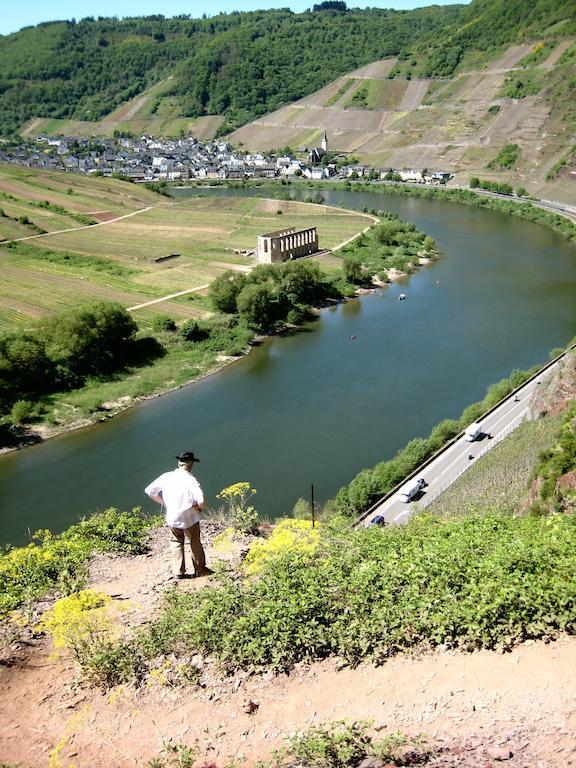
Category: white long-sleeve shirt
[181,494]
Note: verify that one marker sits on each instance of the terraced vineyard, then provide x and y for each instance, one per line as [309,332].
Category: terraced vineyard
[521,96]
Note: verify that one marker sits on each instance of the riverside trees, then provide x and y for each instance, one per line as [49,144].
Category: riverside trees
[89,340]
[273,293]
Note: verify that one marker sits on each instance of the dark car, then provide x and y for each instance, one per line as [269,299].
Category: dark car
[378,520]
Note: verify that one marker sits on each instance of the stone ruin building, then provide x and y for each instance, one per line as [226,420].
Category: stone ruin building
[286,244]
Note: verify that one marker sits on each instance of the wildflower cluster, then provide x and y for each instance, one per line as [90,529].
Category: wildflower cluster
[296,537]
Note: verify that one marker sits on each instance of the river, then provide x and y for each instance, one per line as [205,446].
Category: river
[318,406]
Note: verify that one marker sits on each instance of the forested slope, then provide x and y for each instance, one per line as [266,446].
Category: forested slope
[243,64]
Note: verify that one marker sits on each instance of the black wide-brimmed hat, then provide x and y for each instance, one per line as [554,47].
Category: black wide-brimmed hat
[187,457]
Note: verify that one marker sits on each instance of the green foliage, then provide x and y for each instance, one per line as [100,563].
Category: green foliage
[191,331]
[271,294]
[339,745]
[473,582]
[302,510]
[561,164]
[229,64]
[112,531]
[352,268]
[556,462]
[224,291]
[58,562]
[176,756]
[91,339]
[21,411]
[527,83]
[506,158]
[391,244]
[242,515]
[163,324]
[495,186]
[105,662]
[359,100]
[341,91]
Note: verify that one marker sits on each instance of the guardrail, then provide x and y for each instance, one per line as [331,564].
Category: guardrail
[450,443]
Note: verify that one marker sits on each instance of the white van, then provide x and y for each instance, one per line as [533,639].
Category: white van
[411,489]
[473,432]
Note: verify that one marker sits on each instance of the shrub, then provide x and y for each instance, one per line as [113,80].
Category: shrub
[22,410]
[59,562]
[163,324]
[105,662]
[243,516]
[75,616]
[302,510]
[295,537]
[191,331]
[480,581]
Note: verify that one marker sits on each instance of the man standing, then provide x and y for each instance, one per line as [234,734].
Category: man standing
[180,493]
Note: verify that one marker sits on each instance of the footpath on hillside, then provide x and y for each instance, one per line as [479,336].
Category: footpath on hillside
[475,709]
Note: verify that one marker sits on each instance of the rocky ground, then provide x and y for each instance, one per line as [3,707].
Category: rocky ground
[474,710]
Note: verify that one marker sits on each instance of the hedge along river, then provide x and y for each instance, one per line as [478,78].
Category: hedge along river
[319,405]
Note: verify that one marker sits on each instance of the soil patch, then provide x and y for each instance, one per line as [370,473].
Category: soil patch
[476,710]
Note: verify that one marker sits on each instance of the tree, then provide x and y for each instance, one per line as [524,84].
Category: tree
[90,339]
[258,306]
[224,291]
[474,182]
[352,267]
[24,366]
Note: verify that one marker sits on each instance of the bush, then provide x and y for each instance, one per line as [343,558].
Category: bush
[59,562]
[352,268]
[243,516]
[22,410]
[163,324]
[470,582]
[191,331]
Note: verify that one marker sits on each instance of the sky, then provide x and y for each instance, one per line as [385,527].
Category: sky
[14,16]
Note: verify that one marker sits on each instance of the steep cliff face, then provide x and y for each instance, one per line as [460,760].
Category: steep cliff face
[553,488]
[555,395]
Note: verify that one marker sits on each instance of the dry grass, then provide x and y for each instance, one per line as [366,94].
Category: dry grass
[501,477]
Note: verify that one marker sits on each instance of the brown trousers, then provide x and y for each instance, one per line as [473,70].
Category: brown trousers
[177,540]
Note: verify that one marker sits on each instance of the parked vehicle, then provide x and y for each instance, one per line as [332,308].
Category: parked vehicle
[411,489]
[473,432]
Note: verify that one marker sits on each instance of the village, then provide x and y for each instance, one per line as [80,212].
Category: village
[150,159]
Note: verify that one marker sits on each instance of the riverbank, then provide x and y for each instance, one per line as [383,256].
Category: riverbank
[549,213]
[99,401]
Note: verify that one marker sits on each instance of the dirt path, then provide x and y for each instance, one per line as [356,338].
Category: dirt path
[86,226]
[167,298]
[519,705]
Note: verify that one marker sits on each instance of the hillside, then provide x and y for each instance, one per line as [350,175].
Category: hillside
[241,65]
[510,117]
[473,710]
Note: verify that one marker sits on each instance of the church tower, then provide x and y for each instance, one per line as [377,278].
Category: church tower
[324,142]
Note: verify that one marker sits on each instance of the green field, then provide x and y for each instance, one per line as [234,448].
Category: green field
[117,259]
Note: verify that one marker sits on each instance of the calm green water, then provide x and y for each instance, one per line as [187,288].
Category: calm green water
[318,406]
